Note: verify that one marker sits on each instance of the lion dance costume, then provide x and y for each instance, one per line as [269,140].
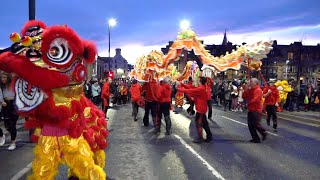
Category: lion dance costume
[49,64]
[283,88]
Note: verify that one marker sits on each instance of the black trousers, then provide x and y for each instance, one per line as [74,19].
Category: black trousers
[254,124]
[96,100]
[135,109]
[165,111]
[152,106]
[190,109]
[272,112]
[124,99]
[10,118]
[209,102]
[227,103]
[201,122]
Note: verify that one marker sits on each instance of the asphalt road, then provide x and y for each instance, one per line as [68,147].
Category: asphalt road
[135,152]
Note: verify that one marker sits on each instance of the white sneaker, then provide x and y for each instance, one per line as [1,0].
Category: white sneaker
[2,140]
[12,147]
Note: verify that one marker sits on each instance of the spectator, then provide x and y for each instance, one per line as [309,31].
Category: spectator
[124,93]
[87,89]
[234,97]
[96,90]
[240,98]
[293,97]
[227,96]
[2,136]
[9,114]
[309,90]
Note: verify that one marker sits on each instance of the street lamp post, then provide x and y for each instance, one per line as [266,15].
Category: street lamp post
[287,62]
[32,9]
[111,23]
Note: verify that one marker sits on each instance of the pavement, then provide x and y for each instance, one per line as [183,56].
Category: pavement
[135,152]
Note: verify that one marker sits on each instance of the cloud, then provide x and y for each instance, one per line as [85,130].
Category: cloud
[308,34]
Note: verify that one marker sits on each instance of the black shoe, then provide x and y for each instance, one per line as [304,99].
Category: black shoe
[264,136]
[157,132]
[253,141]
[275,130]
[168,133]
[135,119]
[146,125]
[197,141]
[207,140]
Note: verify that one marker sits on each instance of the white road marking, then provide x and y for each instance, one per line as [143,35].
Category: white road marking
[210,168]
[246,124]
[22,173]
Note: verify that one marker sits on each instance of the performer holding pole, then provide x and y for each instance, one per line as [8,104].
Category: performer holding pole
[200,100]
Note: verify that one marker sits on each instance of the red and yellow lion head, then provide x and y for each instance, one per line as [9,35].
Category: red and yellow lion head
[45,58]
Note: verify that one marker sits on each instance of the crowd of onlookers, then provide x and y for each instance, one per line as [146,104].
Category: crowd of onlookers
[229,95]
[119,88]
[8,114]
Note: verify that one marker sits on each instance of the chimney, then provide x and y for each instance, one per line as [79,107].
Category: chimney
[118,51]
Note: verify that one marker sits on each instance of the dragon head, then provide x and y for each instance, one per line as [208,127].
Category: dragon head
[46,59]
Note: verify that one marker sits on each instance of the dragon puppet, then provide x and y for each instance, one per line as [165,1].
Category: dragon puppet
[156,64]
[49,65]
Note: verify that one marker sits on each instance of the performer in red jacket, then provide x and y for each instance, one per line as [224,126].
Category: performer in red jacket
[106,94]
[200,99]
[209,85]
[135,91]
[253,94]
[271,95]
[189,85]
[164,97]
[151,90]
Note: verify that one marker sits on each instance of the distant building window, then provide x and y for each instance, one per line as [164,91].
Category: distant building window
[290,55]
[116,66]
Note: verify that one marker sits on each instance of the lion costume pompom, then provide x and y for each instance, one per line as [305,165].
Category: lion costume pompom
[49,64]
[283,88]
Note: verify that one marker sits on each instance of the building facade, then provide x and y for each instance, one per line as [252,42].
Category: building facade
[117,64]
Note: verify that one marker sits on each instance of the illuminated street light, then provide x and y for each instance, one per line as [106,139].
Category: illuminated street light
[112,22]
[185,24]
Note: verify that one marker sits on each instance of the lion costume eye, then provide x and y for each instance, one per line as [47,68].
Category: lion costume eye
[59,52]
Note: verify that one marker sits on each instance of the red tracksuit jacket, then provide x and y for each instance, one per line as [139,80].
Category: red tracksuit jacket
[208,87]
[254,99]
[135,92]
[273,97]
[105,94]
[164,93]
[200,97]
[151,89]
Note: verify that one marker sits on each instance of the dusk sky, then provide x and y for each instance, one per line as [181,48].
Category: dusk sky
[144,25]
